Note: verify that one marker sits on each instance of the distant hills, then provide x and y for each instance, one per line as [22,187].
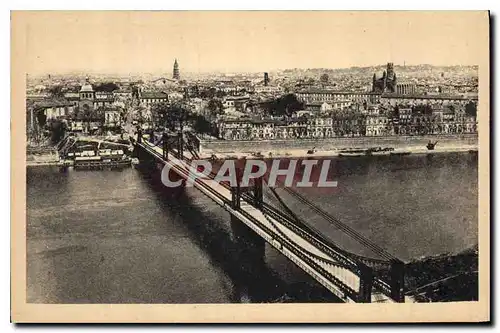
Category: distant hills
[355,70]
[399,69]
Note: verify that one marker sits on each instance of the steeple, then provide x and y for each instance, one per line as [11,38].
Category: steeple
[176,74]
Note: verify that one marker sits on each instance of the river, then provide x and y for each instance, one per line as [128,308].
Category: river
[117,237]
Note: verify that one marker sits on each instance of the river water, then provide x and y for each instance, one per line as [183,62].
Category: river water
[117,237]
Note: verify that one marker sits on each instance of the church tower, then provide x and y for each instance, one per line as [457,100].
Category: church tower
[176,75]
[87,95]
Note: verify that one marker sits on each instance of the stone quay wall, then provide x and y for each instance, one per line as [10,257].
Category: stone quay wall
[336,144]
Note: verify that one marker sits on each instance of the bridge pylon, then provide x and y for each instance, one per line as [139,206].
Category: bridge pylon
[139,135]
[366,284]
[180,144]
[397,280]
[256,190]
[258,193]
[165,145]
[250,245]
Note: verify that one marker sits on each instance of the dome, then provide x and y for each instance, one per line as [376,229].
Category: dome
[87,87]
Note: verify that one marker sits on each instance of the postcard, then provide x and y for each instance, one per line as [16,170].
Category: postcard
[250,166]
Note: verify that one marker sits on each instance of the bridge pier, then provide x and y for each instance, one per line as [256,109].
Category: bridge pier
[250,247]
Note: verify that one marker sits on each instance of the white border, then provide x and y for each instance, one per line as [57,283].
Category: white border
[174,5]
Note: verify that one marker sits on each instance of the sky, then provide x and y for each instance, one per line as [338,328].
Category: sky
[148,42]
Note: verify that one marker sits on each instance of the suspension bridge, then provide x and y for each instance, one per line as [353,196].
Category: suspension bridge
[351,277]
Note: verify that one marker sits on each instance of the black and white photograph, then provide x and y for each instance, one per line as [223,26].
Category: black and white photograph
[259,158]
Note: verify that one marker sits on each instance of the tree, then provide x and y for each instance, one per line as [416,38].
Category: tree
[176,115]
[41,118]
[208,93]
[56,91]
[107,87]
[201,125]
[221,94]
[284,106]
[135,92]
[215,107]
[324,78]
[159,114]
[57,130]
[471,109]
[170,116]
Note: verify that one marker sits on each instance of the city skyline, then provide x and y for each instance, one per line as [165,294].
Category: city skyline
[148,42]
[167,71]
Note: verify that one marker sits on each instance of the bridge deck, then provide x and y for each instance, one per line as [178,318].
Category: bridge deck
[323,267]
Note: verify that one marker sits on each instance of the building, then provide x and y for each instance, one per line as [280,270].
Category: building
[406,89]
[176,74]
[405,116]
[236,103]
[198,105]
[377,125]
[149,98]
[89,100]
[54,110]
[316,107]
[112,118]
[415,99]
[174,96]
[387,83]
[341,104]
[126,94]
[266,89]
[266,79]
[87,96]
[349,125]
[229,89]
[103,99]
[87,121]
[322,95]
[325,107]
[296,128]
[72,97]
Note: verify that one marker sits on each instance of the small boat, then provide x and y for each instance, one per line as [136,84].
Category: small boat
[402,153]
[354,152]
[431,146]
[378,151]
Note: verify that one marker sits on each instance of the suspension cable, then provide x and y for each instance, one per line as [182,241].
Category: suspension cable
[343,227]
[332,220]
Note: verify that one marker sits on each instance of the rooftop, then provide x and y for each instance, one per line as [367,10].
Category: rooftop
[325,91]
[154,95]
[87,87]
[422,96]
[52,103]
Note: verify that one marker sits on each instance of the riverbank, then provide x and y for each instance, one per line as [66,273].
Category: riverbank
[444,278]
[42,156]
[334,146]
[44,163]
